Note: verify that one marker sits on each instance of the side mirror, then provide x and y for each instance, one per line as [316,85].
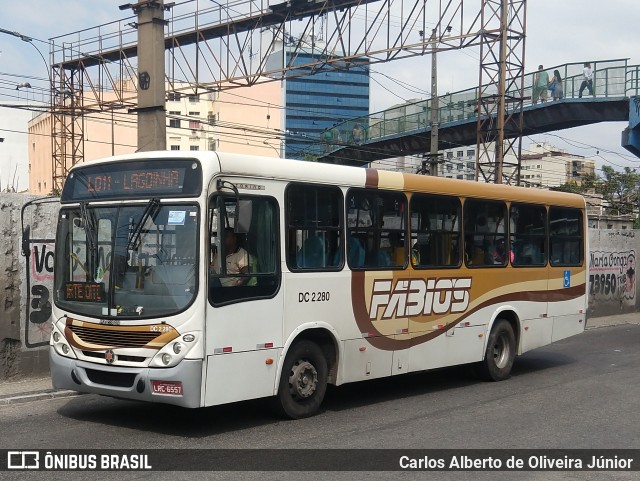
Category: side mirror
[26,241]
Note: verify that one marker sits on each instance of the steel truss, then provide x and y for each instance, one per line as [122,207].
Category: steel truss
[501,98]
[212,46]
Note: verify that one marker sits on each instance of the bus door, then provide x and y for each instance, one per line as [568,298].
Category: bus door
[567,272]
[436,240]
[245,306]
[529,272]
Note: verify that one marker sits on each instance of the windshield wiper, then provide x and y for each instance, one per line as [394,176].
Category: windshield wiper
[135,231]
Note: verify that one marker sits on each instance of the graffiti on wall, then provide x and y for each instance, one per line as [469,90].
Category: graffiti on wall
[39,285]
[612,276]
[38,218]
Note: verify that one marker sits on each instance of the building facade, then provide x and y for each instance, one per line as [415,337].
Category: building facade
[243,123]
[315,103]
[545,165]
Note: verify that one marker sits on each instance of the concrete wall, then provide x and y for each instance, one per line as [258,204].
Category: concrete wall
[26,284]
[25,323]
[612,271]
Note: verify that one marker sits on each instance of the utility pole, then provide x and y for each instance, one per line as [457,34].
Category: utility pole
[434,158]
[152,128]
[435,106]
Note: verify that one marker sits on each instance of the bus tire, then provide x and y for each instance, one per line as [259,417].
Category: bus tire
[303,382]
[500,353]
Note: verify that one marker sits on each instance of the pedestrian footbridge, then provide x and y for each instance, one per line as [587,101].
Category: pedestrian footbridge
[405,129]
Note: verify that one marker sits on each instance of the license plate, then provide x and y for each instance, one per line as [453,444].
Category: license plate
[169,388]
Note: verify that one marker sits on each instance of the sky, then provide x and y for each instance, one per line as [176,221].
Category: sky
[558,31]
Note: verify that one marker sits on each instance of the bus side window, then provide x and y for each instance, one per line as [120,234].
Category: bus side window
[435,231]
[376,223]
[566,232]
[243,262]
[314,227]
[484,233]
[527,234]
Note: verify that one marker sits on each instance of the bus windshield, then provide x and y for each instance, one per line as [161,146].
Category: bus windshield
[128,261]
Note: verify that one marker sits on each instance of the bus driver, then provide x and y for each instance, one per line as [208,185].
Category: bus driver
[237,261]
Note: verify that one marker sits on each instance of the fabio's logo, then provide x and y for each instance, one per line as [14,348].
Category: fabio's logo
[416,297]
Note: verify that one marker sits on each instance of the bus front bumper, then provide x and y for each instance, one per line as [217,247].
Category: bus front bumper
[127,382]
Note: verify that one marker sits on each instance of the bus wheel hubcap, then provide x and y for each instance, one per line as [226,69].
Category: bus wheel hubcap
[501,351]
[303,380]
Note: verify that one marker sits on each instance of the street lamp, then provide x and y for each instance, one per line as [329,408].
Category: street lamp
[29,40]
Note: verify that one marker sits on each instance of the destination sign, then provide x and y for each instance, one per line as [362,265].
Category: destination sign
[136,179]
[84,291]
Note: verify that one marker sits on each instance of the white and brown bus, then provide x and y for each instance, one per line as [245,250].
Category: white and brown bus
[200,278]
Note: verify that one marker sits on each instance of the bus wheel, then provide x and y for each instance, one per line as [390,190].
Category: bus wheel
[500,353]
[303,382]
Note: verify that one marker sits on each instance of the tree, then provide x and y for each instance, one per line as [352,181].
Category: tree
[587,182]
[620,190]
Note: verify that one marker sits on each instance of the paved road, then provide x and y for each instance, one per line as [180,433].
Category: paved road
[582,392]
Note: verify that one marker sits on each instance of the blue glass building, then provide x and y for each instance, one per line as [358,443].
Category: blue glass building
[316,102]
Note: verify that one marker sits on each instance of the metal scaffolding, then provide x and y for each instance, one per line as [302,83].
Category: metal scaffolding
[501,96]
[213,46]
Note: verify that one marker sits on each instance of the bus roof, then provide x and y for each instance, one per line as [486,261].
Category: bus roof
[315,172]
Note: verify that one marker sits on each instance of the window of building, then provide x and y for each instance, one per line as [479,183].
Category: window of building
[193,98]
[174,96]
[471,153]
[435,231]
[449,167]
[175,147]
[314,227]
[484,233]
[212,145]
[194,147]
[175,123]
[565,236]
[449,155]
[527,234]
[459,176]
[194,123]
[460,166]
[376,228]
[459,154]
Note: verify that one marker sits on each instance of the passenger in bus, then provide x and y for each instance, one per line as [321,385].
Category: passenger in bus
[312,254]
[499,254]
[356,253]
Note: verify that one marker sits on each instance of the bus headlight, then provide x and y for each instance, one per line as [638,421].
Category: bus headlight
[59,342]
[175,351]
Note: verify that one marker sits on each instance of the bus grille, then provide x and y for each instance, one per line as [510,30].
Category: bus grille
[118,379]
[121,357]
[113,338]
